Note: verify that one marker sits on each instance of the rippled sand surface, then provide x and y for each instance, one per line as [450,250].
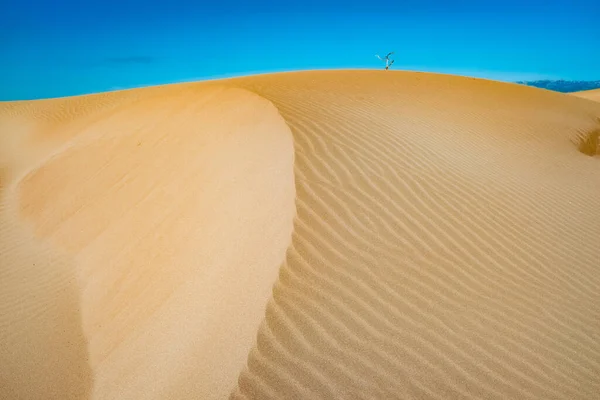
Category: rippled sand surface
[308,235]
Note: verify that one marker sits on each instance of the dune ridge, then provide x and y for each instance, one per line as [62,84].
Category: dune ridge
[444,240]
[443,246]
[593,94]
[160,224]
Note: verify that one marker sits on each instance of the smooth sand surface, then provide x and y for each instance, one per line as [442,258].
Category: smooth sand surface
[311,235]
[593,94]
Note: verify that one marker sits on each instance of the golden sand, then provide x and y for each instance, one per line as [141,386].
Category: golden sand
[310,235]
[593,94]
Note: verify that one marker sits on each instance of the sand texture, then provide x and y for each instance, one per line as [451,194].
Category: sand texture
[310,235]
[593,94]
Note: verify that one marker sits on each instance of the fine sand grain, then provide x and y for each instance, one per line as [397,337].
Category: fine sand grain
[309,235]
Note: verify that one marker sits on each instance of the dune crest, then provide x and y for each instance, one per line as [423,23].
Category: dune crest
[593,94]
[445,244]
[444,241]
[177,210]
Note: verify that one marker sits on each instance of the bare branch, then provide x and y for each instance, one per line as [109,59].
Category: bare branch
[386,59]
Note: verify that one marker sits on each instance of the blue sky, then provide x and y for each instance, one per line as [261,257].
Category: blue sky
[67,47]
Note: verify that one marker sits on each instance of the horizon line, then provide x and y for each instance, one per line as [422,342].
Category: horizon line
[231,76]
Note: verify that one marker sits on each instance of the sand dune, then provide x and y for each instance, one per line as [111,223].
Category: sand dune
[323,234]
[593,94]
[167,210]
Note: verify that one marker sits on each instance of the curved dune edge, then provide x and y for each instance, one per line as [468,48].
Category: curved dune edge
[444,246]
[588,141]
[43,350]
[176,210]
[593,94]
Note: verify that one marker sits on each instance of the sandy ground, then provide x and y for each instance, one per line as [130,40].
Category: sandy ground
[331,234]
[593,94]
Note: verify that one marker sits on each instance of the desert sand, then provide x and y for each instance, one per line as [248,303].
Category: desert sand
[593,94]
[345,234]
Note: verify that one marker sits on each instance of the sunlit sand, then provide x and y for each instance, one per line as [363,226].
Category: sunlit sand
[593,94]
[310,235]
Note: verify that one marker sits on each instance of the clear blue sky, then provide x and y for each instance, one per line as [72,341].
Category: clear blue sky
[65,47]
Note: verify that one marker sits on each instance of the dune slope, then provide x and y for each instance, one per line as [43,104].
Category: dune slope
[167,209]
[444,242]
[593,94]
